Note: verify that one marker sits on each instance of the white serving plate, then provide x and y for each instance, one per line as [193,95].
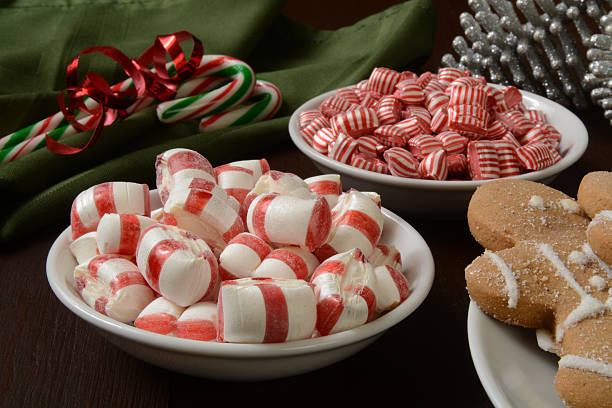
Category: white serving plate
[249,362]
[443,197]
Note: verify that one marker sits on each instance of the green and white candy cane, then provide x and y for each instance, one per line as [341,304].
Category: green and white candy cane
[262,105]
[239,88]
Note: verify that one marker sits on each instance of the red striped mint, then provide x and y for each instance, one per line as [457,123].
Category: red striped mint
[287,263]
[383,80]
[536,116]
[177,264]
[333,105]
[509,164]
[448,75]
[434,85]
[436,100]
[385,254]
[355,123]
[368,145]
[554,136]
[345,291]
[422,145]
[434,166]
[401,162]
[84,247]
[439,121]
[452,142]
[409,75]
[160,316]
[495,100]
[242,255]
[236,181]
[537,156]
[472,95]
[329,186]
[469,120]
[308,116]
[389,110]
[343,148]
[198,322]
[323,139]
[357,223]
[508,136]
[259,167]
[392,288]
[420,112]
[265,310]
[119,233]
[349,94]
[113,286]
[458,168]
[424,78]
[317,124]
[391,135]
[512,96]
[363,84]
[468,81]
[310,220]
[409,92]
[496,130]
[515,121]
[180,165]
[118,197]
[536,134]
[369,163]
[370,100]
[483,160]
[206,213]
[413,126]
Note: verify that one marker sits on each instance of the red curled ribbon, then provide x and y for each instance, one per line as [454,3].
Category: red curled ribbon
[113,102]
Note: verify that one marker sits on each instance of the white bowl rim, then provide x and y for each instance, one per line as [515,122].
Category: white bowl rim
[249,351]
[572,155]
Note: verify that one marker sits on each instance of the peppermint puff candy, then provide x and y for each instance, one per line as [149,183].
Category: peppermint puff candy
[120,233]
[118,197]
[84,247]
[329,186]
[287,263]
[198,322]
[176,166]
[392,288]
[288,220]
[242,255]
[386,255]
[113,286]
[159,316]
[265,310]
[236,181]
[177,264]
[345,288]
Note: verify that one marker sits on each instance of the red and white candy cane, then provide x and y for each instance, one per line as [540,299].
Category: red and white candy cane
[343,148]
[84,247]
[113,286]
[159,316]
[357,223]
[392,287]
[119,197]
[310,220]
[345,287]
[237,91]
[198,322]
[329,186]
[385,254]
[355,123]
[483,159]
[537,156]
[180,165]
[242,255]
[287,263]
[262,105]
[434,166]
[383,80]
[177,264]
[119,233]
[265,310]
[401,162]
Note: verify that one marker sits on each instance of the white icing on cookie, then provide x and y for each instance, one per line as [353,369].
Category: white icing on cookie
[511,288]
[586,364]
[597,282]
[570,205]
[579,258]
[586,248]
[537,202]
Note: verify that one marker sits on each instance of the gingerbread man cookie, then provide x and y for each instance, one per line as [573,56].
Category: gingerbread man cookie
[540,270]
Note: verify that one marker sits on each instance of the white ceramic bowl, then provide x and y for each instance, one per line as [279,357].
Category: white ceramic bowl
[443,197]
[248,362]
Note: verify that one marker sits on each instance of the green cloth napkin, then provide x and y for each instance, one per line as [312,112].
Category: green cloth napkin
[41,37]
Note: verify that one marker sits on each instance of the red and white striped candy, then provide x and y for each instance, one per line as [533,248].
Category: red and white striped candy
[509,137]
[536,134]
[469,120]
[323,139]
[355,123]
[235,181]
[535,156]
[242,255]
[515,121]
[554,136]
[113,286]
[386,255]
[420,112]
[436,100]
[458,167]
[270,215]
[308,116]
[117,197]
[369,163]
[357,223]
[180,165]
[198,322]
[177,264]
[329,186]
[317,124]
[392,288]
[401,162]
[509,164]
[512,97]
[409,75]
[464,95]
[334,105]
[468,81]
[434,86]
[349,94]
[391,135]
[413,126]
[452,142]
[536,116]
[287,263]
[345,287]
[257,166]
[343,148]
[424,78]
[439,121]
[448,75]
[383,80]
[422,145]
[496,130]
[483,160]
[369,99]
[495,100]
[84,247]
[409,92]
[389,110]
[265,310]
[369,145]
[159,316]
[434,166]
[119,233]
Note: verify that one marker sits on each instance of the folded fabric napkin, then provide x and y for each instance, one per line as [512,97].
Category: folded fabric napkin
[41,37]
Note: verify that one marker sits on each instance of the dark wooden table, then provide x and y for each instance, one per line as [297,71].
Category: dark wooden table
[49,357]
